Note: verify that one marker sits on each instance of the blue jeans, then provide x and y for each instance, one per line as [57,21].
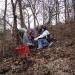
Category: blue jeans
[42,43]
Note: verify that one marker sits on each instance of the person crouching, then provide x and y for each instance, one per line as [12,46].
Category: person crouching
[42,38]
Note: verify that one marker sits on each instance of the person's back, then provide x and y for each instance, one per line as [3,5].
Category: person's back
[25,38]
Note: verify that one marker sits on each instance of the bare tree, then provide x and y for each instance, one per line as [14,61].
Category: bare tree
[15,21]
[43,12]
[28,19]
[73,3]
[21,14]
[57,11]
[32,7]
[65,9]
[5,15]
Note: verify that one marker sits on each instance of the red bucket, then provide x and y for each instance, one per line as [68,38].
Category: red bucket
[23,49]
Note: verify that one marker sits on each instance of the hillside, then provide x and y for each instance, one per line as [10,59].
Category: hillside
[56,60]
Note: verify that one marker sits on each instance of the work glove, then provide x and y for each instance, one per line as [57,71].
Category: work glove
[36,39]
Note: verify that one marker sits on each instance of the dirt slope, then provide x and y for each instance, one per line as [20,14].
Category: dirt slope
[57,60]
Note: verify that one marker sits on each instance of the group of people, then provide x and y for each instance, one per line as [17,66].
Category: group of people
[39,36]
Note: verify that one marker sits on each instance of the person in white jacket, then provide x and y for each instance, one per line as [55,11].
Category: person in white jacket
[42,41]
[44,34]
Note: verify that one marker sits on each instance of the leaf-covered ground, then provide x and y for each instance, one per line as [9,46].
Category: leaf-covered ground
[57,60]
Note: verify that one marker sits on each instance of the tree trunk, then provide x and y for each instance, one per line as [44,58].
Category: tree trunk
[28,22]
[73,3]
[4,19]
[68,16]
[21,14]
[5,15]
[57,11]
[50,16]
[43,13]
[34,12]
[65,10]
[15,23]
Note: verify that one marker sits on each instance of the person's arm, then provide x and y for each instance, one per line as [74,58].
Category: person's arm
[41,36]
[45,33]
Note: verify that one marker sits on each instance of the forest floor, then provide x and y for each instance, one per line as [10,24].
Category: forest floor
[57,60]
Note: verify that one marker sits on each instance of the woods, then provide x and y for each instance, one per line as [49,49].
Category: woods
[24,23]
[48,10]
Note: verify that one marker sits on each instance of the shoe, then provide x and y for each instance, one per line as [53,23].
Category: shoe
[51,44]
